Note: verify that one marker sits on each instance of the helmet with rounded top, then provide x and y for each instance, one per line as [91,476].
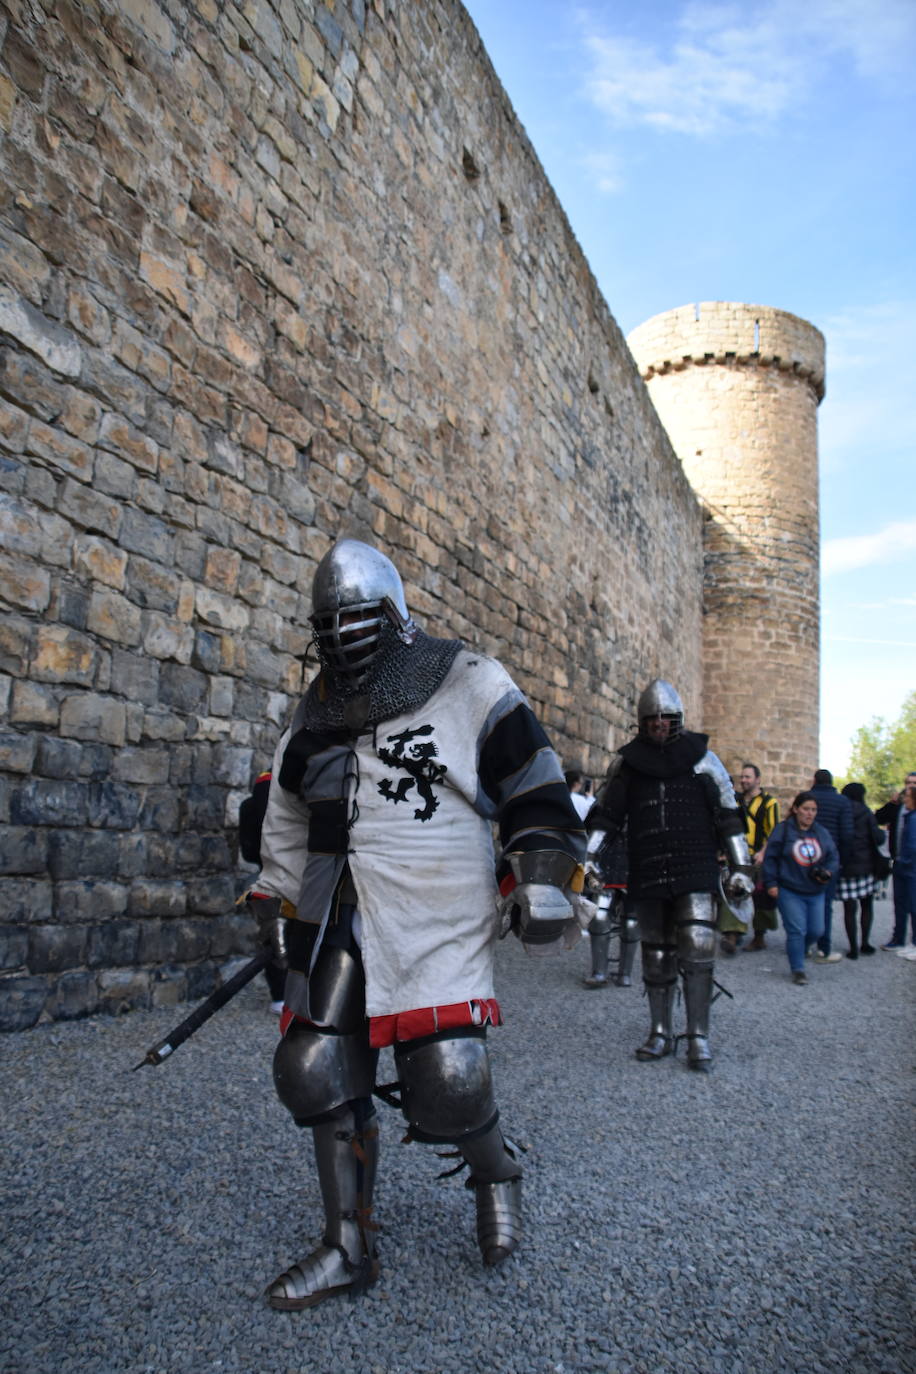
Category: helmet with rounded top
[660,712]
[356,591]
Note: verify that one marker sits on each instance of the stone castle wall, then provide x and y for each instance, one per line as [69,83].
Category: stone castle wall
[737,388]
[270,273]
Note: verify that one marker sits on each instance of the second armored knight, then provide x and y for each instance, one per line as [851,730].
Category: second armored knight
[680,809]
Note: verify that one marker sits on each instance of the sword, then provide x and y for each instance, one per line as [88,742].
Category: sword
[163,1048]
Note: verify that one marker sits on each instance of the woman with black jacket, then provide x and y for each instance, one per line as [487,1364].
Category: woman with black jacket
[857,879]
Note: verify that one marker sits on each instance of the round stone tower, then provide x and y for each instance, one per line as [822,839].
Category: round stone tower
[737,388]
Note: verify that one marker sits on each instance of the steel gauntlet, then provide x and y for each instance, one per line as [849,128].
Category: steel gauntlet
[271,923]
[540,907]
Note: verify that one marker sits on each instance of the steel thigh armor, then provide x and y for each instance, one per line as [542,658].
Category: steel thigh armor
[320,1067]
[446,1085]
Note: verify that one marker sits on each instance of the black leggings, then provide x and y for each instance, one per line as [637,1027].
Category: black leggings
[849,916]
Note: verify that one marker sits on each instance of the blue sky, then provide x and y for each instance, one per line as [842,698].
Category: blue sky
[764,152]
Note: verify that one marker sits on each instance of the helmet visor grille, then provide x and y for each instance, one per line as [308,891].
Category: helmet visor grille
[347,640]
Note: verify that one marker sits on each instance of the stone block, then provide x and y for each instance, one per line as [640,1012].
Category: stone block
[232,766]
[52,343]
[134,858]
[90,510]
[114,805]
[123,990]
[113,617]
[152,586]
[211,896]
[147,535]
[222,611]
[90,716]
[25,584]
[62,451]
[233,933]
[160,727]
[15,644]
[141,766]
[64,655]
[99,560]
[44,801]
[168,986]
[14,947]
[78,853]
[57,758]
[182,688]
[116,478]
[54,948]
[167,638]
[89,901]
[222,696]
[114,944]
[76,994]
[132,444]
[23,900]
[133,676]
[33,704]
[202,979]
[152,897]
[25,267]
[161,810]
[22,1000]
[23,849]
[207,652]
[17,750]
[215,854]
[204,807]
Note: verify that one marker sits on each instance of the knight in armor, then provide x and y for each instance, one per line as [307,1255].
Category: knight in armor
[678,804]
[381,893]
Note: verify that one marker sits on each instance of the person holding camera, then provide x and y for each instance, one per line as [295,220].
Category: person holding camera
[799,865]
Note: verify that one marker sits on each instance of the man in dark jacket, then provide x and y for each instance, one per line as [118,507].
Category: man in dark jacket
[834,813]
[895,815]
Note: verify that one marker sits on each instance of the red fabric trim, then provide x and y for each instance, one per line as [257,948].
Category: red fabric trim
[411,1025]
[507,885]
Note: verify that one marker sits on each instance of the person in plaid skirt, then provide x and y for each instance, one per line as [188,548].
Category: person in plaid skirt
[857,878]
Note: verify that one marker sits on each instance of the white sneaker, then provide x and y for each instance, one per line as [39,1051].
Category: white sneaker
[277,1008]
[908,952]
[832,958]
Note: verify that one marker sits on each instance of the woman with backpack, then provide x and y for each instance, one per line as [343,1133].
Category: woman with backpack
[858,877]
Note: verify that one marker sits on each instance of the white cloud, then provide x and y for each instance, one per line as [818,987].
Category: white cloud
[896,540]
[606,171]
[730,67]
[867,416]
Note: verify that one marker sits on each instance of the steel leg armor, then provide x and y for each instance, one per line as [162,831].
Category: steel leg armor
[659,967]
[600,930]
[629,940]
[447,1097]
[695,915]
[324,1075]
[346,1154]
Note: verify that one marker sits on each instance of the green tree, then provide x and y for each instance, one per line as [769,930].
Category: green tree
[883,753]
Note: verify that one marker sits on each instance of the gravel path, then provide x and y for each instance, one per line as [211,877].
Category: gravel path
[759,1219]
